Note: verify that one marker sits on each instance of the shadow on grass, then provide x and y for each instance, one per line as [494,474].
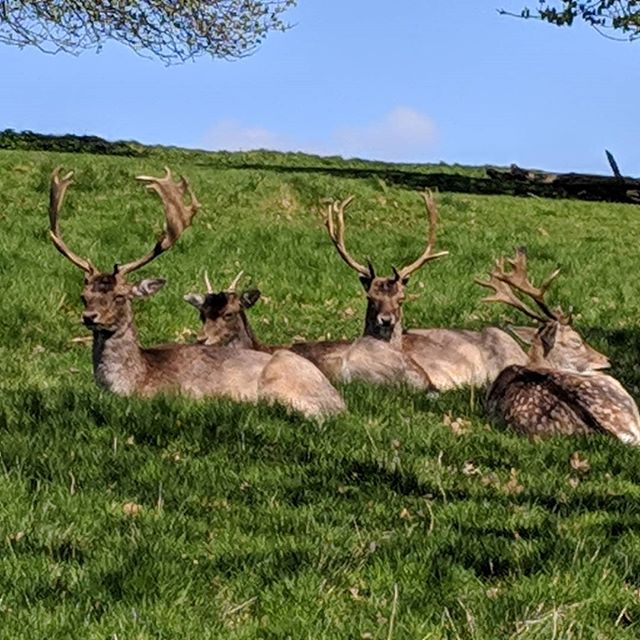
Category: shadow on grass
[451,182]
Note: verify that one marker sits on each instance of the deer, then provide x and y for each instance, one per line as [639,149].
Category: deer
[122,366]
[225,323]
[450,357]
[561,389]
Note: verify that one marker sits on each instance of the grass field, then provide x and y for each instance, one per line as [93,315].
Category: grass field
[410,517]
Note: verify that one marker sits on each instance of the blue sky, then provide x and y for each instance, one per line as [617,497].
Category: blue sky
[427,81]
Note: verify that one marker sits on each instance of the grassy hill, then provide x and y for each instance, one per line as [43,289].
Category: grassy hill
[410,517]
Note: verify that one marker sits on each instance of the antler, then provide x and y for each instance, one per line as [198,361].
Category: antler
[503,283]
[178,215]
[56,198]
[518,279]
[503,292]
[336,233]
[208,283]
[232,287]
[432,217]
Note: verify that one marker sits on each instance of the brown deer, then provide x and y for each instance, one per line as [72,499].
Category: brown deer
[122,366]
[450,357]
[224,322]
[560,389]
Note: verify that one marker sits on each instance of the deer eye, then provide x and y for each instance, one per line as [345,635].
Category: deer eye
[228,316]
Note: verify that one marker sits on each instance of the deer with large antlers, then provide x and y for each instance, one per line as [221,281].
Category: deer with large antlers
[560,390]
[225,323]
[450,357]
[122,366]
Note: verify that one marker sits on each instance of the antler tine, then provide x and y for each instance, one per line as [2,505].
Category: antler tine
[178,215]
[432,223]
[503,293]
[57,192]
[207,282]
[336,233]
[232,287]
[519,280]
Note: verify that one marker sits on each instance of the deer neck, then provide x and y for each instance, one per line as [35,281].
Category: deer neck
[245,339]
[118,362]
[536,356]
[372,328]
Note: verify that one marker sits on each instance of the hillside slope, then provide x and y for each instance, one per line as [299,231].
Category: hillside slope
[387,523]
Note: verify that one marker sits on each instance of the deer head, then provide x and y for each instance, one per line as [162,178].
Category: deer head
[385,295]
[554,343]
[223,317]
[107,296]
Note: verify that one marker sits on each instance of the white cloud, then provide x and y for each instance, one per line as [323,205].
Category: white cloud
[231,135]
[403,134]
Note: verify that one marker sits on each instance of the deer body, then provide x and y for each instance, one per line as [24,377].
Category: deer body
[450,358]
[538,401]
[225,323]
[122,366]
[560,390]
[366,359]
[457,357]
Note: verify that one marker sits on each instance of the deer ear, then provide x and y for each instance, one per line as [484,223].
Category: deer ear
[398,278]
[196,299]
[547,335]
[249,297]
[524,334]
[368,279]
[148,287]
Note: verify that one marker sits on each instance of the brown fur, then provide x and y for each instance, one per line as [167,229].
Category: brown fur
[457,357]
[560,390]
[545,402]
[450,358]
[122,366]
[364,359]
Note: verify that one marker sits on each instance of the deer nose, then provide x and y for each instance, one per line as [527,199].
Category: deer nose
[89,318]
[385,319]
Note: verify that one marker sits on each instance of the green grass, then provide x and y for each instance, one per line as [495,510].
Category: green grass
[385,523]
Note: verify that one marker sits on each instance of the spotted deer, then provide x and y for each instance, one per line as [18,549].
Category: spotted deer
[560,390]
[224,322]
[450,357]
[122,366]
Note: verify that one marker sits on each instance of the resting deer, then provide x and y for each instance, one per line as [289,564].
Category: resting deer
[450,357]
[224,322]
[122,366]
[560,389]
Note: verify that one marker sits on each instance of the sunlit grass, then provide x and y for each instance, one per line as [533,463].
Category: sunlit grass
[410,517]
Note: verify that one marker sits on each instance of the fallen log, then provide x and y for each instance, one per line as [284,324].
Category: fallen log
[585,186]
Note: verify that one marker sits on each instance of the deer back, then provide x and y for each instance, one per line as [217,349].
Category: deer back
[456,357]
[543,402]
